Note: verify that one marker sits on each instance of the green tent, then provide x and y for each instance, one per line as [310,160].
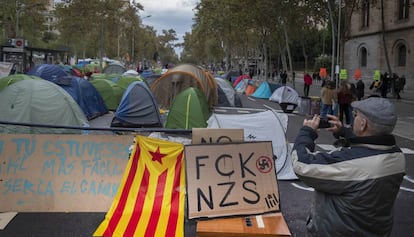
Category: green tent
[8,80]
[125,81]
[111,93]
[189,110]
[39,102]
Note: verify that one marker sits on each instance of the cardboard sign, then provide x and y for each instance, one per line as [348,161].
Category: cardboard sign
[217,135]
[76,173]
[231,179]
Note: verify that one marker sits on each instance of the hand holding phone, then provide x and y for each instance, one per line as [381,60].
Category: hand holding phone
[324,123]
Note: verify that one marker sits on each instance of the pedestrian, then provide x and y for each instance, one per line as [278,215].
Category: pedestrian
[356,186]
[402,82]
[397,86]
[360,89]
[307,83]
[283,77]
[344,102]
[385,80]
[328,98]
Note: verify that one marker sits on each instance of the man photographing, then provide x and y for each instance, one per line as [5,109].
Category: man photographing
[355,186]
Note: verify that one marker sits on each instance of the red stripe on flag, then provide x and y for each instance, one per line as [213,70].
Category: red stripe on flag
[175,200]
[113,222]
[139,204]
[157,205]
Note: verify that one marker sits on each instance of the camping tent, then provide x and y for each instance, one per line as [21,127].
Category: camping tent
[181,77]
[262,126]
[226,93]
[287,97]
[263,91]
[250,89]
[138,108]
[125,81]
[189,110]
[241,86]
[50,72]
[39,102]
[111,93]
[240,78]
[114,68]
[85,94]
[8,80]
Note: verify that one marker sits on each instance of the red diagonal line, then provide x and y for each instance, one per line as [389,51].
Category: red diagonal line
[139,204]
[113,222]
[157,205]
[175,200]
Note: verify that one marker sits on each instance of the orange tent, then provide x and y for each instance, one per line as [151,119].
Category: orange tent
[250,89]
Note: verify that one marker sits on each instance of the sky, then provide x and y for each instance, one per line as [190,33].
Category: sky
[169,14]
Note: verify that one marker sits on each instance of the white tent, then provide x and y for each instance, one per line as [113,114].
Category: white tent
[285,94]
[266,125]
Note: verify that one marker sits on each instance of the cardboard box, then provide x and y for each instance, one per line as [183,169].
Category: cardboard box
[270,225]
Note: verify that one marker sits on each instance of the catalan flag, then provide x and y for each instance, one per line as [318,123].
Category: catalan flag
[150,201]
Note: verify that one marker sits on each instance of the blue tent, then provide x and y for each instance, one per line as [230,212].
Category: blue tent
[50,72]
[138,108]
[263,91]
[85,94]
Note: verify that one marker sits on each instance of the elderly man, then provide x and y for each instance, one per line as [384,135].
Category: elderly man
[355,186]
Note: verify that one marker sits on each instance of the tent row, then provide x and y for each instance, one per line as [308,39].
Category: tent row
[285,96]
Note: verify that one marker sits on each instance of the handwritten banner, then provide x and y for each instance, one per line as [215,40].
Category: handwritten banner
[76,173]
[231,179]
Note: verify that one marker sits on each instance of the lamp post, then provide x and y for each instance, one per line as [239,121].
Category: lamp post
[133,40]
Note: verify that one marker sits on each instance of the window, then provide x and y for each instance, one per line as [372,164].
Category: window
[403,9]
[402,55]
[363,57]
[365,13]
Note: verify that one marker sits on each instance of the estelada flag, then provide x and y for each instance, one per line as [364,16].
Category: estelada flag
[150,200]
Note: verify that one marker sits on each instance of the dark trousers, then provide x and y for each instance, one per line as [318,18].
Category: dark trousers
[306,90]
[344,111]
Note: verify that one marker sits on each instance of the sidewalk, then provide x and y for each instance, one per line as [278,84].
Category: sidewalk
[407,96]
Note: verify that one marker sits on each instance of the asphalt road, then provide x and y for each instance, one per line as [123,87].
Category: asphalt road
[294,196]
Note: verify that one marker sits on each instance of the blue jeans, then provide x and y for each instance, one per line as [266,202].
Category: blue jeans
[326,109]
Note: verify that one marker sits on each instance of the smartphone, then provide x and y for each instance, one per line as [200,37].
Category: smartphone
[324,123]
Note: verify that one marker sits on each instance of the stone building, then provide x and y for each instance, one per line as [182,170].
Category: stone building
[365,48]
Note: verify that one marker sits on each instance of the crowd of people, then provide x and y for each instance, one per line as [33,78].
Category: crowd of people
[337,99]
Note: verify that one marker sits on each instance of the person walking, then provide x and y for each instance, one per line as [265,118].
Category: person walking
[356,186]
[307,83]
[397,86]
[344,101]
[328,99]
[360,89]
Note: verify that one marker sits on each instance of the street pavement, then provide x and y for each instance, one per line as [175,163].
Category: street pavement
[295,197]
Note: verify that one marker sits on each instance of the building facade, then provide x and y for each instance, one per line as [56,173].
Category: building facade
[365,48]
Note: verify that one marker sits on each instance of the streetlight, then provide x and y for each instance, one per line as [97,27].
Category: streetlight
[19,8]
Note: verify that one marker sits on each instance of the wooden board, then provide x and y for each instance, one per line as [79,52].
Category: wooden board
[272,225]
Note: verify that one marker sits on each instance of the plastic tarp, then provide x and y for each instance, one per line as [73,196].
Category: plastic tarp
[262,126]
[263,91]
[138,108]
[189,110]
[39,102]
[285,94]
